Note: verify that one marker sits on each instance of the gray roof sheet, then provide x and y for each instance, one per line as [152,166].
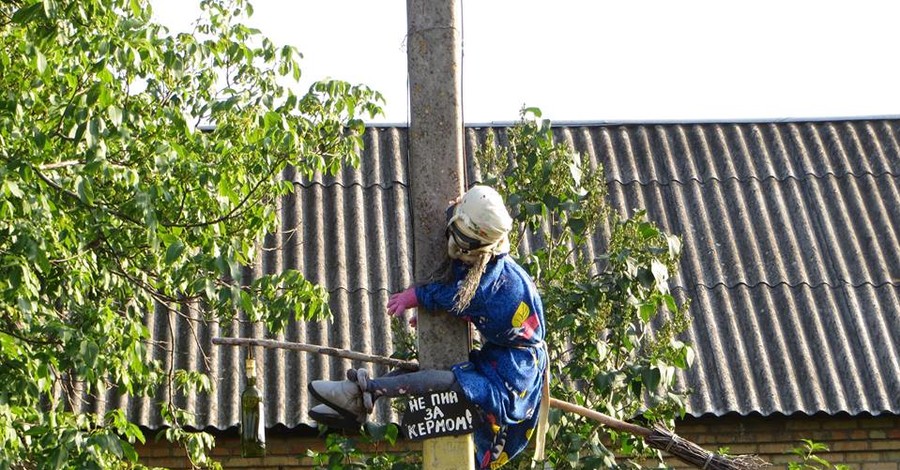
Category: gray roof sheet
[791,259]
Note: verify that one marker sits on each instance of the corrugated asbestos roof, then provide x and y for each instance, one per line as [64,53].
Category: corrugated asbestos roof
[791,259]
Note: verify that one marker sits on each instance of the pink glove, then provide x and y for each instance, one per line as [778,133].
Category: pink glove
[401,301]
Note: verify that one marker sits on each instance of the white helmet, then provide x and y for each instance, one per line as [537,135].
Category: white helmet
[480,221]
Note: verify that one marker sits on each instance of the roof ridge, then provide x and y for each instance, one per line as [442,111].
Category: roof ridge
[892,283]
[805,177]
[387,185]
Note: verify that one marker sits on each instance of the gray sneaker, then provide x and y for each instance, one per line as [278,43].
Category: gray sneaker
[343,396]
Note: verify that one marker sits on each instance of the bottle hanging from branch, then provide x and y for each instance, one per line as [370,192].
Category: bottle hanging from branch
[253,419]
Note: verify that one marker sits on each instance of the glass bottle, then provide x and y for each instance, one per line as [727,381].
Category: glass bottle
[253,425]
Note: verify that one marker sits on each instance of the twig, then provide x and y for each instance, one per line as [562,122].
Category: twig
[53,166]
[77,199]
[236,210]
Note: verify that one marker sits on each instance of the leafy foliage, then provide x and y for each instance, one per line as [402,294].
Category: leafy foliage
[612,320]
[114,203]
[808,460]
[342,452]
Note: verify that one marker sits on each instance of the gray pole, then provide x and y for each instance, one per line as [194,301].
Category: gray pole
[437,175]
[436,166]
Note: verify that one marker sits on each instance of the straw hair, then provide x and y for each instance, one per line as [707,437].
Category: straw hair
[470,283]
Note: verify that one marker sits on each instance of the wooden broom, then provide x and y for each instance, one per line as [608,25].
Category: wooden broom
[658,438]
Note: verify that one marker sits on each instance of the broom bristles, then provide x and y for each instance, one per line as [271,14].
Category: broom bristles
[690,453]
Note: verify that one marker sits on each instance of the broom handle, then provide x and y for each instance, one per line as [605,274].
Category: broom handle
[413,366]
[606,420]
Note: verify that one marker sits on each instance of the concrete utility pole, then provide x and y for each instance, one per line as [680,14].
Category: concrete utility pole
[437,175]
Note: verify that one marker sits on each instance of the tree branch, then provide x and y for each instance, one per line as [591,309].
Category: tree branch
[41,342]
[74,196]
[64,164]
[234,210]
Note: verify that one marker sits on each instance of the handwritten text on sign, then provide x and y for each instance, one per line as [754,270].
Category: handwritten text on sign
[437,414]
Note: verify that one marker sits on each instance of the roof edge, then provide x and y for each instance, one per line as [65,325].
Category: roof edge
[791,414]
[646,122]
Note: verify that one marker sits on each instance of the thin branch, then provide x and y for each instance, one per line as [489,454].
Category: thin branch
[280,246]
[184,195]
[234,210]
[157,344]
[74,196]
[14,334]
[190,324]
[64,164]
[72,395]
[62,116]
[170,374]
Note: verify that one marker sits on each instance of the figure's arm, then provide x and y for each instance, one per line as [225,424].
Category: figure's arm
[433,296]
[436,296]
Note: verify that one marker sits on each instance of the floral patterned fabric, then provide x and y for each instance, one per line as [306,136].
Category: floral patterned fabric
[503,378]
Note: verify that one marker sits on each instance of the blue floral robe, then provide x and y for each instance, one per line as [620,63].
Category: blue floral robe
[504,377]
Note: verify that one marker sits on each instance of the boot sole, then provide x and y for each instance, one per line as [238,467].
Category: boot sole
[335,422]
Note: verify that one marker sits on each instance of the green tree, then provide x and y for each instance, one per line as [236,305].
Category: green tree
[114,203]
[611,317]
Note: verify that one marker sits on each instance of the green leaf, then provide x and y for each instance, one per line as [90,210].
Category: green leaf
[648,231]
[50,8]
[26,14]
[669,302]
[8,345]
[174,251]
[551,201]
[40,61]
[12,188]
[40,139]
[58,457]
[660,274]
[651,377]
[674,245]
[575,171]
[89,351]
[536,112]
[577,225]
[391,433]
[115,115]
[136,7]
[636,387]
[112,444]
[647,311]
[128,451]
[85,190]
[684,355]
[602,350]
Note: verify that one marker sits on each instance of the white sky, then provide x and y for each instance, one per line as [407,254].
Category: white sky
[600,60]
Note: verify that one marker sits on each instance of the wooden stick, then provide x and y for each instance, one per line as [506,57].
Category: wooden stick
[600,418]
[312,348]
